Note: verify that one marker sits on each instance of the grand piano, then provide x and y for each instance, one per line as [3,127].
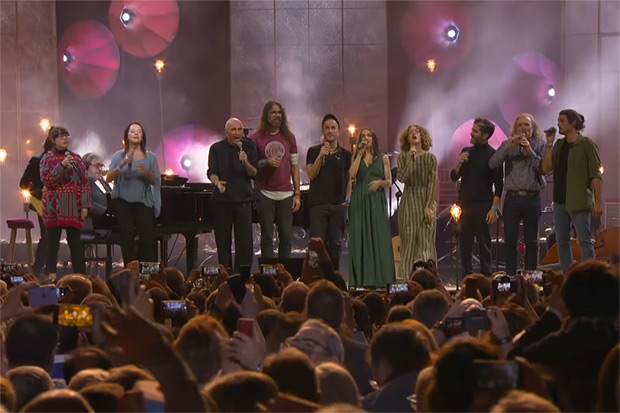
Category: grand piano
[186,210]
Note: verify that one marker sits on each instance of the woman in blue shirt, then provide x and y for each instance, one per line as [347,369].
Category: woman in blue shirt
[136,194]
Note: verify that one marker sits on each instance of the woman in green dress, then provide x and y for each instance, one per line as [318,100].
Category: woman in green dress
[371,262]
[417,169]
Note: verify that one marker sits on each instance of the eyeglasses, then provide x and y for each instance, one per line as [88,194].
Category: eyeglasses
[308,344]
[64,136]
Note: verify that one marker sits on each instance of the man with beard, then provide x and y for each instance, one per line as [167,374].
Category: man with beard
[330,188]
[574,159]
[479,195]
[276,198]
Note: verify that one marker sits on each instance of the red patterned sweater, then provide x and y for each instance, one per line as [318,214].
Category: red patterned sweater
[66,190]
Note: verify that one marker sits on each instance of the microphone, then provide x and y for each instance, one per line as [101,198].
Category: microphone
[521,146]
[73,165]
[240,145]
[326,144]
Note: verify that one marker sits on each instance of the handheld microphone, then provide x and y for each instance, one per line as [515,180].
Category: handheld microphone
[326,144]
[240,145]
[73,165]
[521,146]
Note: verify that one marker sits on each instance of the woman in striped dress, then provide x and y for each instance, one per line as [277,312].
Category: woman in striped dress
[417,169]
[66,198]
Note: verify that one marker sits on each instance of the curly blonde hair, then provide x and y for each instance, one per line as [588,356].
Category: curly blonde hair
[536,133]
[427,140]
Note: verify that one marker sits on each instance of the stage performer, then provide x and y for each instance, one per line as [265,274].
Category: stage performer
[66,197]
[31,181]
[521,159]
[371,260]
[330,188]
[479,195]
[278,162]
[575,163]
[232,164]
[136,195]
[417,169]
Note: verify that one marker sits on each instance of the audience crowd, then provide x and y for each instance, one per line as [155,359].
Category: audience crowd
[184,343]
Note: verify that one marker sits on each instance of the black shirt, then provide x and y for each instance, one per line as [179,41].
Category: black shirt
[31,180]
[329,186]
[224,162]
[478,181]
[559,176]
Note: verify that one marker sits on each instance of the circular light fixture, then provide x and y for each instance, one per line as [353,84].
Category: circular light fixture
[186,162]
[67,58]
[126,16]
[551,91]
[452,33]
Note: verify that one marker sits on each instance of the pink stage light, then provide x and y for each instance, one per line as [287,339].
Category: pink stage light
[438,30]
[144,28]
[88,59]
[461,139]
[530,83]
[188,142]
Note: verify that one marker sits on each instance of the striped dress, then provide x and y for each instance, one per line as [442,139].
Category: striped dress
[417,234]
[66,191]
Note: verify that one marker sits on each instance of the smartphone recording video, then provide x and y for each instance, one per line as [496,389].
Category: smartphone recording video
[210,270]
[173,308]
[497,374]
[16,279]
[396,287]
[506,284]
[68,315]
[533,276]
[43,296]
[9,268]
[149,268]
[268,269]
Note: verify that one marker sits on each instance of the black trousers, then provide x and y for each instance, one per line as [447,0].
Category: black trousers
[75,246]
[40,255]
[517,208]
[135,217]
[282,213]
[473,224]
[327,222]
[226,218]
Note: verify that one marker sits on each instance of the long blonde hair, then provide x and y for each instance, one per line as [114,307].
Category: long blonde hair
[536,134]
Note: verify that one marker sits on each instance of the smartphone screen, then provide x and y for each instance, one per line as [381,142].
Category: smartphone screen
[173,308]
[210,270]
[268,269]
[149,267]
[9,268]
[396,287]
[497,374]
[237,287]
[43,296]
[69,315]
[17,279]
[534,276]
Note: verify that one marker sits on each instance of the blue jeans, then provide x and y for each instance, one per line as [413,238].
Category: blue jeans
[581,221]
[517,208]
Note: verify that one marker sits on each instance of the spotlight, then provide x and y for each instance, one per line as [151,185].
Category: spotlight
[67,58]
[452,33]
[159,65]
[455,211]
[186,162]
[431,64]
[601,170]
[551,91]
[44,124]
[169,172]
[3,155]
[126,16]
[352,128]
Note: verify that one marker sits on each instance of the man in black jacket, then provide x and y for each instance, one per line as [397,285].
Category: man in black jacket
[31,181]
[232,164]
[479,195]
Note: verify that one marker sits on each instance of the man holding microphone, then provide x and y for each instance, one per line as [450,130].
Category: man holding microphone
[232,163]
[521,156]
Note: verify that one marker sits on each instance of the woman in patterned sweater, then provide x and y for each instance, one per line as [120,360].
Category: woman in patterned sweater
[65,198]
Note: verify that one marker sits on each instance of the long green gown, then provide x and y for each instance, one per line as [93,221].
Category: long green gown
[371,261]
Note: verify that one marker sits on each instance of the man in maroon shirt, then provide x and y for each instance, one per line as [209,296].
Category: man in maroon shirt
[277,197]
